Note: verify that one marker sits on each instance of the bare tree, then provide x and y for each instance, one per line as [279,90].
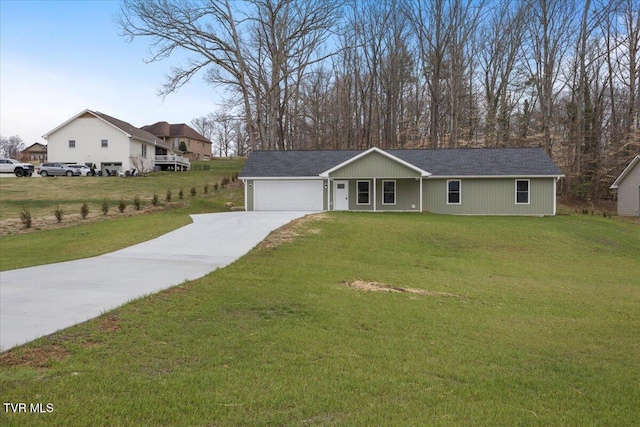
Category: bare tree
[550,28]
[255,48]
[11,147]
[585,108]
[631,45]
[444,31]
[241,145]
[223,129]
[429,23]
[499,60]
[204,125]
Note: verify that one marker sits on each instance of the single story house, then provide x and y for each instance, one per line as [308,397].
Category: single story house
[482,181]
[36,152]
[95,138]
[194,146]
[628,186]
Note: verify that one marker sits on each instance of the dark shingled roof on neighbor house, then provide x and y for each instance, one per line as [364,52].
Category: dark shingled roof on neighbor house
[454,162]
[132,130]
[166,130]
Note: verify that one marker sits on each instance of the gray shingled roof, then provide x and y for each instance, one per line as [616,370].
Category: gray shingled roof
[440,162]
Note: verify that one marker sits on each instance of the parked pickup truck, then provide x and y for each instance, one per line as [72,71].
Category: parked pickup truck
[15,167]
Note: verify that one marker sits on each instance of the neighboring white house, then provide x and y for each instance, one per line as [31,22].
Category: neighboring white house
[94,138]
[628,186]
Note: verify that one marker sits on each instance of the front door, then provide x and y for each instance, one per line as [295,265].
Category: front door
[340,195]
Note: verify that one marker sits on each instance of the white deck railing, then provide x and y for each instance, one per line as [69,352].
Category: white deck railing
[172,159]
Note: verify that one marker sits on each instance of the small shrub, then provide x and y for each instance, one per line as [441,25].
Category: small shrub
[59,214]
[181,194]
[215,186]
[193,191]
[206,189]
[25,217]
[154,200]
[105,207]
[223,183]
[136,203]
[122,205]
[168,196]
[84,210]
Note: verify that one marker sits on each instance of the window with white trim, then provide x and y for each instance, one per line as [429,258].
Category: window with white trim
[363,192]
[104,143]
[72,143]
[144,151]
[388,192]
[522,191]
[453,192]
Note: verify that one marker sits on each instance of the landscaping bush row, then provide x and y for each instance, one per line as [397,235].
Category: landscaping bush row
[27,220]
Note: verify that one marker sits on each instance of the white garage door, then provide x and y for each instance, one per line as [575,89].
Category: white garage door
[287,195]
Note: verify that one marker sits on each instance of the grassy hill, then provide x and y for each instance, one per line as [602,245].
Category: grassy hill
[456,321]
[49,240]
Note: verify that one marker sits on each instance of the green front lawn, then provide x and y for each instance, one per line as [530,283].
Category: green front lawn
[527,321]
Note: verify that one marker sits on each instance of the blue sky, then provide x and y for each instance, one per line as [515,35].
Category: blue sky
[58,58]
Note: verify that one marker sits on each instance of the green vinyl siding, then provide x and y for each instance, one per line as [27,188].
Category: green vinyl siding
[374,165]
[407,195]
[490,196]
[629,193]
[249,196]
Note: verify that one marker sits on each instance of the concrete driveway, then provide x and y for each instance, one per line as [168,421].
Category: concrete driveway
[38,301]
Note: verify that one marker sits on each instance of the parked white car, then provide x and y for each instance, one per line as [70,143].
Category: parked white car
[83,169]
[16,167]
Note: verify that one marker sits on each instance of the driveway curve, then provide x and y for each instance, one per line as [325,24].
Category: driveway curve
[38,301]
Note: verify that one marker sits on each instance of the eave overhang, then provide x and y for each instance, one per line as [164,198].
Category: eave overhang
[625,172]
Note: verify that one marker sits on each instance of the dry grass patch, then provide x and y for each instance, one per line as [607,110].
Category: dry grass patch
[383,287]
[110,323]
[289,232]
[35,357]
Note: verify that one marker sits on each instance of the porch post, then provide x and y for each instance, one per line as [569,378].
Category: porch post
[420,194]
[246,188]
[328,193]
[374,194]
[555,194]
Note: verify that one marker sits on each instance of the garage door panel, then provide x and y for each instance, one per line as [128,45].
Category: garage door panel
[288,195]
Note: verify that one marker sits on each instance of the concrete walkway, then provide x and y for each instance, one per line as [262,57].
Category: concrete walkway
[38,301]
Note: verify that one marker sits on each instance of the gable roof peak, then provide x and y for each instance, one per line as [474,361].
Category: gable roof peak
[422,172]
[625,172]
[124,127]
